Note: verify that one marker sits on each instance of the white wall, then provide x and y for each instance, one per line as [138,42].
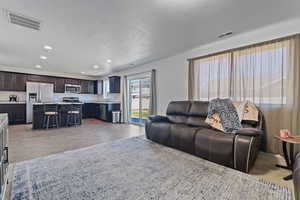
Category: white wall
[172,71]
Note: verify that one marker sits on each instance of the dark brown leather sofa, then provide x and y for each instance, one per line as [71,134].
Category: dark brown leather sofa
[184,128]
[296,177]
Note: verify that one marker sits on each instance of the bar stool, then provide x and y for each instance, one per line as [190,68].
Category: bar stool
[50,112]
[74,115]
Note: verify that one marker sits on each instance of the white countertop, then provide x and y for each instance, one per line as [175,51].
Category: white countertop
[104,102]
[59,103]
[12,102]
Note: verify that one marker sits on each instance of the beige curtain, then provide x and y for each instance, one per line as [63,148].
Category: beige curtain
[153,96]
[211,77]
[191,80]
[266,74]
[124,100]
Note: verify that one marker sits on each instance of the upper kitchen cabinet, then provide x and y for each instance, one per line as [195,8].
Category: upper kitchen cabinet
[93,88]
[59,86]
[35,78]
[85,86]
[114,84]
[12,81]
[72,81]
[40,78]
[20,82]
[89,87]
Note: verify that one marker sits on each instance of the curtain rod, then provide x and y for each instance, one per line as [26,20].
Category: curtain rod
[244,47]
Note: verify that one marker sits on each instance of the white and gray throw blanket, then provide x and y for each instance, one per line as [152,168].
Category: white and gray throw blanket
[229,116]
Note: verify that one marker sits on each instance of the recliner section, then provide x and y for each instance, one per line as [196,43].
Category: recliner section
[184,128]
[215,146]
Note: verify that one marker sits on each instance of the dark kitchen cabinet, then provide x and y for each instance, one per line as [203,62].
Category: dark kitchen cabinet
[2,82]
[92,87]
[102,111]
[10,81]
[16,113]
[97,111]
[89,87]
[106,109]
[84,87]
[114,84]
[59,86]
[20,82]
[88,110]
[36,78]
[72,81]
[41,78]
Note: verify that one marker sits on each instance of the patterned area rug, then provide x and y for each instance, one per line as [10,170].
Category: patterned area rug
[135,169]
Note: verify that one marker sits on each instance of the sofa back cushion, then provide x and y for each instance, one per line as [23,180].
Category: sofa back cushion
[177,111]
[199,109]
[197,114]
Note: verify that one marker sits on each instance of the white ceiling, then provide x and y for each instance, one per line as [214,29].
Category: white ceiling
[85,33]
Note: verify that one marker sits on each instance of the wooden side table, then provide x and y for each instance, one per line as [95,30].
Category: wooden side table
[289,159]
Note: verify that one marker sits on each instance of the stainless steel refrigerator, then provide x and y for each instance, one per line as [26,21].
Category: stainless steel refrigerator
[37,93]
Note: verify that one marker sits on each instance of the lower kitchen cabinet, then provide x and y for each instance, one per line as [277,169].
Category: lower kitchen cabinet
[88,110]
[16,113]
[101,111]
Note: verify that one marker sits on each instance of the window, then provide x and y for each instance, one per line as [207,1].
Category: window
[256,73]
[214,77]
[259,74]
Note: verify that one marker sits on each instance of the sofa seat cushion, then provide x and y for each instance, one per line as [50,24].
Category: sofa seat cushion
[160,133]
[183,137]
[215,146]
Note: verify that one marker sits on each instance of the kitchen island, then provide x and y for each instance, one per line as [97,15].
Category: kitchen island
[63,108]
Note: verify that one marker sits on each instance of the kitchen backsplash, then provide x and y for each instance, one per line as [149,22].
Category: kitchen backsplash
[111,97]
[82,97]
[4,95]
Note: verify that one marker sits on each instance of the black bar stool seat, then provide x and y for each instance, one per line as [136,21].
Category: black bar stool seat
[50,112]
[74,115]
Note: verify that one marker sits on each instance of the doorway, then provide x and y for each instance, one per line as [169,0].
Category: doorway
[139,99]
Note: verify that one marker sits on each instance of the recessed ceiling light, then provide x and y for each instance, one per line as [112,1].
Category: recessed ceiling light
[38,66]
[83,72]
[43,57]
[95,66]
[108,60]
[48,48]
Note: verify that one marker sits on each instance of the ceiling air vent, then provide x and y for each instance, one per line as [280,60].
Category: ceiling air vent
[24,21]
[225,34]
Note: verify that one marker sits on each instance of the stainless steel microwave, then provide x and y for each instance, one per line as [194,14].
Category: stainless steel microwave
[72,88]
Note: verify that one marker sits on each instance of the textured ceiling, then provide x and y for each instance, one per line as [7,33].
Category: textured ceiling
[85,33]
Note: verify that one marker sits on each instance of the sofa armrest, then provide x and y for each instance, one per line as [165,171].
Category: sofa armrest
[249,132]
[158,118]
[245,151]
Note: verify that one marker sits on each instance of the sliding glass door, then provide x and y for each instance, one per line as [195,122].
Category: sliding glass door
[139,99]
